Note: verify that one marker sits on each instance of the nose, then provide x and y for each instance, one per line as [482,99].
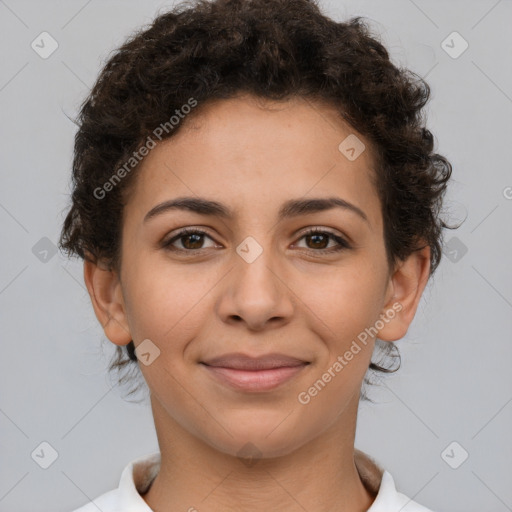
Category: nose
[256,294]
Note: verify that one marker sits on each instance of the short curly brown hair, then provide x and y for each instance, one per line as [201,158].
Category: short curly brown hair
[275,49]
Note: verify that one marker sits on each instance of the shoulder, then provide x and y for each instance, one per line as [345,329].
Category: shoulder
[135,480]
[390,500]
[107,502]
[380,483]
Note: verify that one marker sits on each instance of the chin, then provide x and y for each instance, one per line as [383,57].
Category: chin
[256,437]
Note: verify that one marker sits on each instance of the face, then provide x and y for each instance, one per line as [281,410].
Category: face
[255,280]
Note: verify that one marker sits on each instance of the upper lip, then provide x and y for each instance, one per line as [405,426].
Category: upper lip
[239,361]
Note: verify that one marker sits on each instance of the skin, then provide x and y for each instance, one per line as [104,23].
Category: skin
[291,299]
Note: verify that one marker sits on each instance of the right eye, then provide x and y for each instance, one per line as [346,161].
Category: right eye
[190,239]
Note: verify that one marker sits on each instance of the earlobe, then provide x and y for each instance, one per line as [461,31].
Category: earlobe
[104,290]
[406,288]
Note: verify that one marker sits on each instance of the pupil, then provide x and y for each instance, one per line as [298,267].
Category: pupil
[197,237]
[318,236]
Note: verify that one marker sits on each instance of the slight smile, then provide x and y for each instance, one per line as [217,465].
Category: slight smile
[253,374]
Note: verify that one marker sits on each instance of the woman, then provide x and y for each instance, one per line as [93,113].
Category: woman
[256,200]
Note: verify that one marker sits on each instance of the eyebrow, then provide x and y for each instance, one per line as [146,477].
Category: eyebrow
[291,208]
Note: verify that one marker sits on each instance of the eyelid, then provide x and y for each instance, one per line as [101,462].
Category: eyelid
[341,239]
[181,232]
[319,229]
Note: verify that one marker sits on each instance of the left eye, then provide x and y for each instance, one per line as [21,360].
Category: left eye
[192,239]
[318,237]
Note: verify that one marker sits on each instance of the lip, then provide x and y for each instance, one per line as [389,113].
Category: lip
[238,361]
[247,373]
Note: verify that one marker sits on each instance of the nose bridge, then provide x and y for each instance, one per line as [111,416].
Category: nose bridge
[254,272]
[254,292]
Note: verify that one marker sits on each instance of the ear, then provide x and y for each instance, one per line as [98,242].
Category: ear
[105,291]
[404,292]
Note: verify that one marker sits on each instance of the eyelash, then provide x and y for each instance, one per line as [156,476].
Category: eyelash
[342,243]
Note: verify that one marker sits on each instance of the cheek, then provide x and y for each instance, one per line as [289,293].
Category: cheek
[344,308]
[164,302]
[343,303]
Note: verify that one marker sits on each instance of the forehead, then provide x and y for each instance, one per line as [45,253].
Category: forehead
[250,152]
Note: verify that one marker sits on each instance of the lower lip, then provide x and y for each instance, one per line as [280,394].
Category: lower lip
[254,380]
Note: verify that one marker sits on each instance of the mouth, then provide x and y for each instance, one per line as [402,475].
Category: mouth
[253,374]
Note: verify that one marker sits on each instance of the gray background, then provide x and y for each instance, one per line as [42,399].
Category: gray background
[455,380]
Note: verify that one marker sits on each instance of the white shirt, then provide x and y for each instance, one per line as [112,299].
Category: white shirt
[138,475]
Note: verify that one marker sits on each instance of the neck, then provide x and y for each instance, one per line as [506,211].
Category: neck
[319,476]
